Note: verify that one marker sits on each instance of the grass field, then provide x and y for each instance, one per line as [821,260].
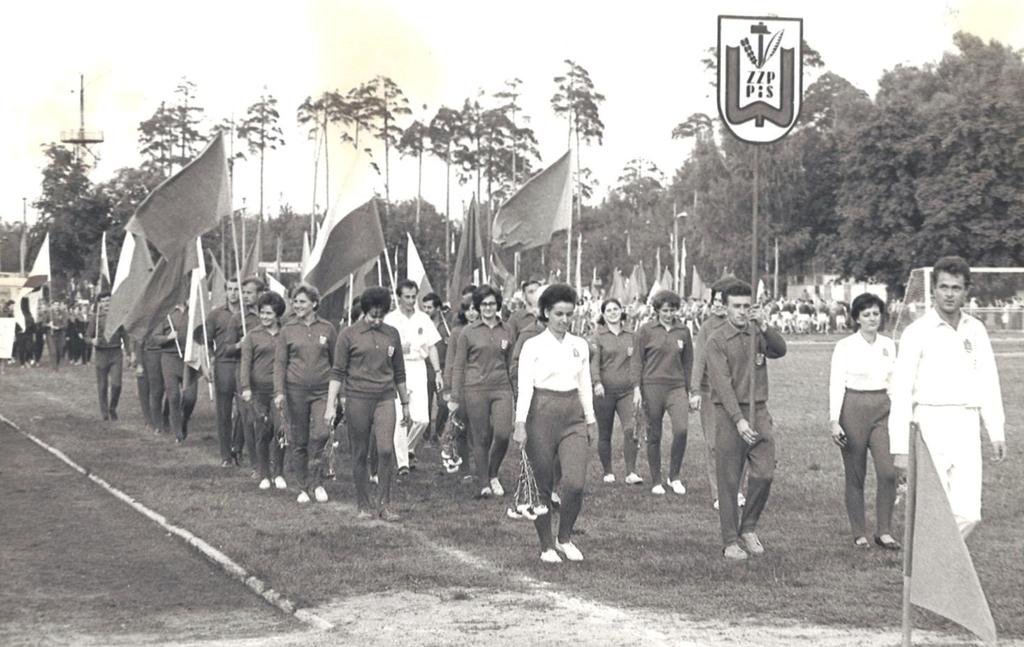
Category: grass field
[643,552]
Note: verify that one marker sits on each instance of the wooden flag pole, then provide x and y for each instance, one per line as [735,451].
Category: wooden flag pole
[238,267]
[910,508]
[206,337]
[751,403]
[391,272]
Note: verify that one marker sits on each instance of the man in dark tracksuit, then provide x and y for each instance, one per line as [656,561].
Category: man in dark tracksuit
[58,324]
[743,433]
[109,359]
[242,426]
[223,336]
[180,380]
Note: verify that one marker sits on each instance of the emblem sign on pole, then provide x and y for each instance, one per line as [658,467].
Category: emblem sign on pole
[760,79]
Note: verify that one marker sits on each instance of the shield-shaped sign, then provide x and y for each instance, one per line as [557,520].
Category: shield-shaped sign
[760,76]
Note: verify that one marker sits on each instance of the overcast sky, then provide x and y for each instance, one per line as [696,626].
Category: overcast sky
[643,56]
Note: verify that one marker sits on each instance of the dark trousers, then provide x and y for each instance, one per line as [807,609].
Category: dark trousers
[109,365]
[158,408]
[366,419]
[657,400]
[23,347]
[604,410]
[181,398]
[225,387]
[38,343]
[309,435]
[732,453]
[56,342]
[556,433]
[490,421]
[142,389]
[267,424]
[865,418]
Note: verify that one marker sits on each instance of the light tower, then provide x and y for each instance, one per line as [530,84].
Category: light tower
[81,138]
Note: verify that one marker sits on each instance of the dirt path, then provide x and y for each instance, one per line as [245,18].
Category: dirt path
[79,567]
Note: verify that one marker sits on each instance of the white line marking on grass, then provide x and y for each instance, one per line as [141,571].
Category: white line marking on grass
[228,565]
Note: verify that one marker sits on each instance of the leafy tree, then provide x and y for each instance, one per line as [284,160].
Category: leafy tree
[413,142]
[444,129]
[315,115]
[385,104]
[157,139]
[259,128]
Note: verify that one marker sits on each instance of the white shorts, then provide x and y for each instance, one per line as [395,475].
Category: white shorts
[953,435]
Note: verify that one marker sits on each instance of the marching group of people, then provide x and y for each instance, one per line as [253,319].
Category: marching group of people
[59,329]
[285,378]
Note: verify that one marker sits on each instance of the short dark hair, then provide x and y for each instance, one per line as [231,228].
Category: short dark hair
[272,299]
[309,290]
[954,265]
[527,283]
[665,297]
[862,303]
[604,304]
[719,286]
[375,297]
[553,295]
[260,285]
[469,289]
[737,288]
[482,293]
[405,284]
[432,298]
[463,309]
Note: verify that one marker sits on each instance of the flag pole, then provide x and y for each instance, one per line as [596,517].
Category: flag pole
[238,265]
[753,288]
[910,509]
[202,314]
[391,272]
[351,288]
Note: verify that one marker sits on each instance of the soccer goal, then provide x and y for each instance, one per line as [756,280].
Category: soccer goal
[996,297]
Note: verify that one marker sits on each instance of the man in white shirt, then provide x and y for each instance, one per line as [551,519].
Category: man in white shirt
[419,338]
[946,381]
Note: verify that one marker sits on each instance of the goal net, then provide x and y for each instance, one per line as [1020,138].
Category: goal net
[996,297]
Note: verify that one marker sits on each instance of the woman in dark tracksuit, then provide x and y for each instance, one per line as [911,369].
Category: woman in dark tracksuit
[555,417]
[611,348]
[859,381]
[467,314]
[482,385]
[256,381]
[302,367]
[368,372]
[660,370]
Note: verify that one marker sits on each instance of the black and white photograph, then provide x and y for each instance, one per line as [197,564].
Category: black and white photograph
[382,322]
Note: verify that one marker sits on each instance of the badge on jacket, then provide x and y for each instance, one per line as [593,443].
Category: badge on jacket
[323,340]
[504,344]
[680,343]
[419,331]
[391,351]
[885,352]
[758,359]
[629,351]
[967,346]
[576,352]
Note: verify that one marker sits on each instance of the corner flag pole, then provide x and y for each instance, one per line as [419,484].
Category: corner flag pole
[908,534]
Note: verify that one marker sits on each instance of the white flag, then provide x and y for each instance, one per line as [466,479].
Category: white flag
[196,306]
[124,260]
[414,269]
[104,260]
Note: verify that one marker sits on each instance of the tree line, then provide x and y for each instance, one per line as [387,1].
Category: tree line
[866,188]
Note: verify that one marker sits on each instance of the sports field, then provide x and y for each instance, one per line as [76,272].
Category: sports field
[80,567]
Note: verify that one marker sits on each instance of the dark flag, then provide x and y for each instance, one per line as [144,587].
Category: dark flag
[133,269]
[187,204]
[470,255]
[167,285]
[539,208]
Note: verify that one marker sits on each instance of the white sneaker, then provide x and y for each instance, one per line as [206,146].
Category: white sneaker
[280,483]
[303,497]
[374,479]
[550,557]
[557,500]
[496,487]
[265,484]
[320,494]
[570,551]
[609,478]
[741,500]
[658,489]
[677,486]
[486,493]
[634,479]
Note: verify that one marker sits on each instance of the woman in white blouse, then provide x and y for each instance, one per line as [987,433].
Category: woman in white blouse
[859,385]
[555,417]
